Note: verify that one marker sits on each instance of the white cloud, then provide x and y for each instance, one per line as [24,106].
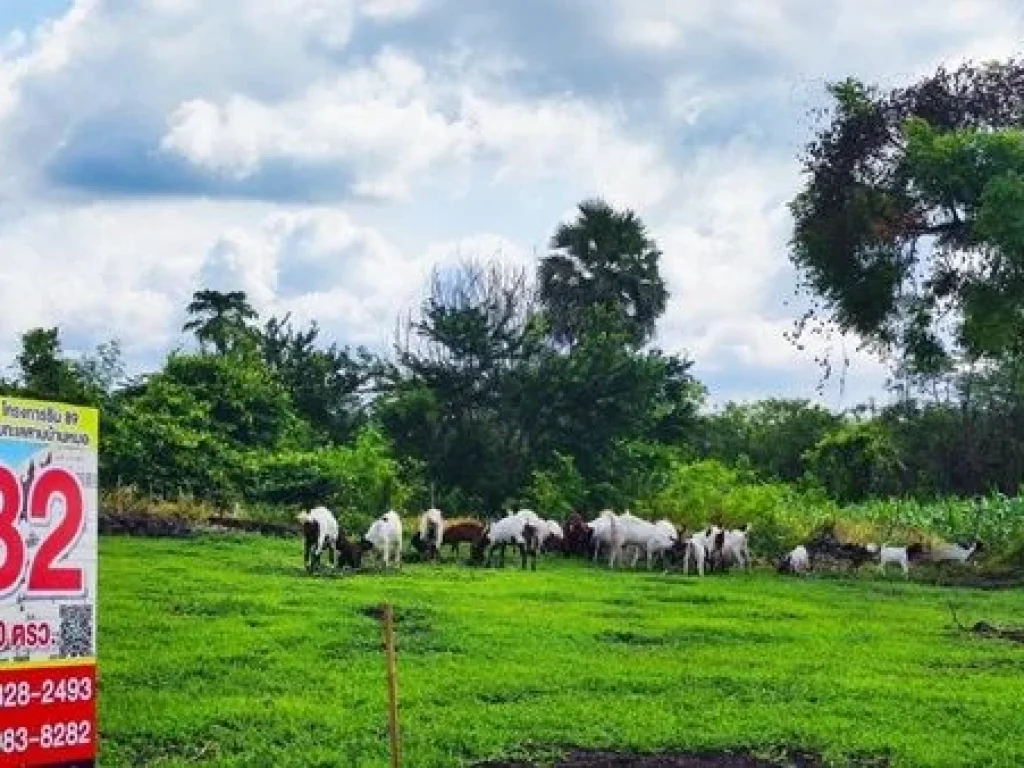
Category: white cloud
[105,270]
[391,9]
[391,123]
[450,128]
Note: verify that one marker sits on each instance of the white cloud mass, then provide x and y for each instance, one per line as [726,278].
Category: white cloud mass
[323,155]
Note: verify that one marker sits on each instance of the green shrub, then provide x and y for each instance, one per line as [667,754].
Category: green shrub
[557,491]
[358,482]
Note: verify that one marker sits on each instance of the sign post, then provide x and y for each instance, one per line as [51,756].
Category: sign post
[48,567]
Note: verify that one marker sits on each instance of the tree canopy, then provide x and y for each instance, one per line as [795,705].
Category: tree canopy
[910,228]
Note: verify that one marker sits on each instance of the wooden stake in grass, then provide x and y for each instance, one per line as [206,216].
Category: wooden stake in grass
[389,651]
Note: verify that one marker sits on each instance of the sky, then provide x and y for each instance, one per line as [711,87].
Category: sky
[324,155]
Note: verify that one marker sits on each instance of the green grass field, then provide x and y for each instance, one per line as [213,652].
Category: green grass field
[221,651]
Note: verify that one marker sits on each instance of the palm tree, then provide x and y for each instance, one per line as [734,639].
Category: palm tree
[220,319]
[603,260]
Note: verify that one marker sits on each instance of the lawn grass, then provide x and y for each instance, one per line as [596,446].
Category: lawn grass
[221,651]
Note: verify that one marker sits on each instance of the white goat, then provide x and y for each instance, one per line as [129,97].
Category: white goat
[954,553]
[797,561]
[901,556]
[551,531]
[432,520]
[731,546]
[628,530]
[320,529]
[601,531]
[386,537]
[697,549]
[522,529]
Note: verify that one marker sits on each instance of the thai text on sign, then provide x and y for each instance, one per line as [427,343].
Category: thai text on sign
[48,571]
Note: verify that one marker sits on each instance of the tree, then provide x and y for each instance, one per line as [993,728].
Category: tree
[773,436]
[325,383]
[220,319]
[601,394]
[45,373]
[604,259]
[452,401]
[910,227]
[856,461]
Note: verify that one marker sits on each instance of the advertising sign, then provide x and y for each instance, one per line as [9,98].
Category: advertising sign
[48,538]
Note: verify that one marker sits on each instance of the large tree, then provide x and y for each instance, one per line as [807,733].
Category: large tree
[910,227]
[220,319]
[454,393]
[603,259]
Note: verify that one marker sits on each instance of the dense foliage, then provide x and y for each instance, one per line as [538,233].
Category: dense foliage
[506,388]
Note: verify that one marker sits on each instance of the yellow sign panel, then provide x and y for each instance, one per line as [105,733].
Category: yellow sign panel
[53,423]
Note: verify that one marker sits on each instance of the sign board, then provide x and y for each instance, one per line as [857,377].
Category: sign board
[48,538]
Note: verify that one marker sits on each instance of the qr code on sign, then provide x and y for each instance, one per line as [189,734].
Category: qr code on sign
[75,631]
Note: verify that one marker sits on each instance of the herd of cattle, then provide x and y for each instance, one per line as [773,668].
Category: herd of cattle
[624,537]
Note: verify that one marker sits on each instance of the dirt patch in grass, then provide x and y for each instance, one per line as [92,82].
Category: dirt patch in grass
[628,638]
[988,578]
[984,629]
[130,524]
[587,758]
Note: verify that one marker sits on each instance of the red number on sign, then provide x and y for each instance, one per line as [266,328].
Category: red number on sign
[43,577]
[10,537]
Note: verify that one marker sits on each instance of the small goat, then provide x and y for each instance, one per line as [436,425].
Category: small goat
[901,556]
[730,546]
[797,561]
[552,537]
